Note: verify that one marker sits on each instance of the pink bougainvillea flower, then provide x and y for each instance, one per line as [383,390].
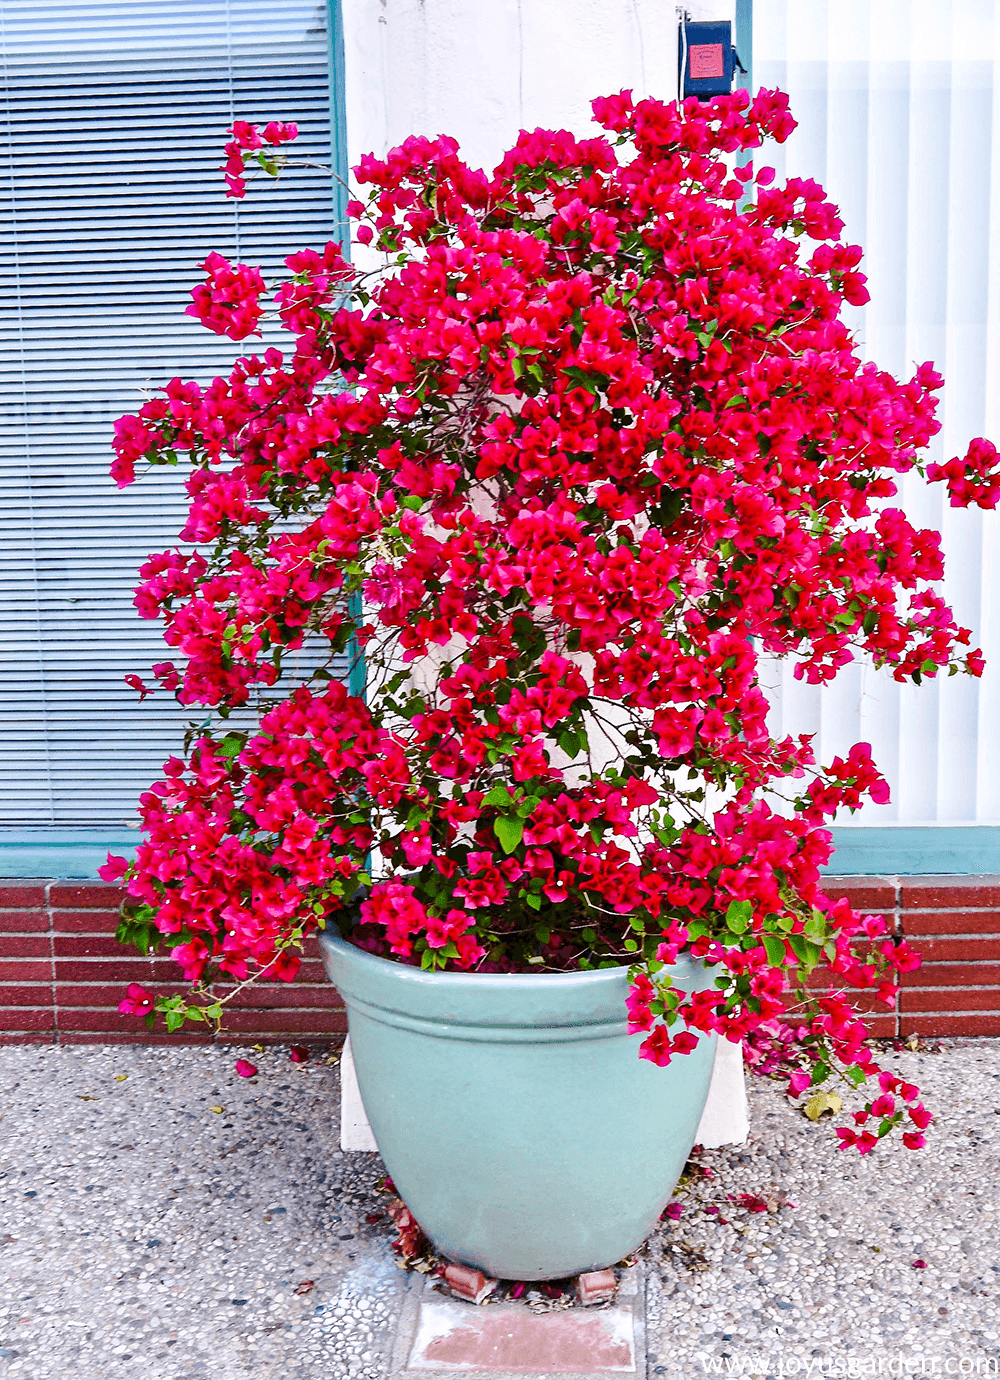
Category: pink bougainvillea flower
[245,1069]
[137,684]
[299,1054]
[920,1116]
[137,1000]
[673,1211]
[920,1264]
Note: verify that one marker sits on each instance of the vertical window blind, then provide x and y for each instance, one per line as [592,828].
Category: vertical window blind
[898,105]
[112,125]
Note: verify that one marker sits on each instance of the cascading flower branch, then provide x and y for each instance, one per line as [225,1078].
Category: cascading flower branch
[590,441]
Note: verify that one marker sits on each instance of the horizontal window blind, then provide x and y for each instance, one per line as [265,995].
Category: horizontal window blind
[899,118]
[112,125]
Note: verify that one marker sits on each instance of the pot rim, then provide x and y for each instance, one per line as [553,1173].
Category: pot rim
[587,997]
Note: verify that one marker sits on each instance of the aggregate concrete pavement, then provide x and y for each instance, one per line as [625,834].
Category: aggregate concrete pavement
[162,1217]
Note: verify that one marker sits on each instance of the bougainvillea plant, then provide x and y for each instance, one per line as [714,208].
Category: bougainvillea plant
[589,442]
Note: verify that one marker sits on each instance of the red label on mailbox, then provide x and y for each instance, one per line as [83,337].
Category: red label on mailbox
[705,60]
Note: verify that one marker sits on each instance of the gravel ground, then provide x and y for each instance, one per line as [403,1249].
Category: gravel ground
[158,1213]
[834,1277]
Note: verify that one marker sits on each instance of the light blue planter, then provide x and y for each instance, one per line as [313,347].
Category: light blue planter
[517,1121]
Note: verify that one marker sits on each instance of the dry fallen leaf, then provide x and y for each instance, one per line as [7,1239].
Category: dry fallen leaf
[822,1102]
[85,1097]
[120,1077]
[216,1109]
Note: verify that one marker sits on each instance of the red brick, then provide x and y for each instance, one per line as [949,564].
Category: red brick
[863,893]
[89,994]
[101,1018]
[126,970]
[26,969]
[949,893]
[953,975]
[293,1022]
[981,949]
[24,946]
[596,1286]
[89,946]
[918,922]
[23,921]
[468,1283]
[882,1027]
[99,895]
[950,999]
[37,994]
[140,1037]
[281,998]
[27,1037]
[27,1018]
[312,970]
[22,893]
[101,922]
[985,1023]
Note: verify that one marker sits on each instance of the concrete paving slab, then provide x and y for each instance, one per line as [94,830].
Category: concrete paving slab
[438,1336]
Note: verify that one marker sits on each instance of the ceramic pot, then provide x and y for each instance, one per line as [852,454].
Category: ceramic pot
[513,1112]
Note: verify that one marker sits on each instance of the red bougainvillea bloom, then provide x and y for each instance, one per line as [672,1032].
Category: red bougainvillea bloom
[136,1000]
[299,1054]
[245,1069]
[590,443]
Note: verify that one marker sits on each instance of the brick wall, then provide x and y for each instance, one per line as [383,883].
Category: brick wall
[954,923]
[62,974]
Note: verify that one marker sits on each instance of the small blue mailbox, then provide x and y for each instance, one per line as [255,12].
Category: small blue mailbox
[707,57]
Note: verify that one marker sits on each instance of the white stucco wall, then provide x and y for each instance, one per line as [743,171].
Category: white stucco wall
[482,70]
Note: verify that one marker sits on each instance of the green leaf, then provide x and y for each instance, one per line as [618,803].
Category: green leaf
[738,916]
[569,742]
[232,745]
[175,1019]
[535,902]
[412,502]
[775,950]
[499,796]
[509,830]
[804,950]
[526,806]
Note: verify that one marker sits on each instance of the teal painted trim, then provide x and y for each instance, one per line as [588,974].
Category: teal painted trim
[357,675]
[75,854]
[744,44]
[338,123]
[915,850]
[908,851]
